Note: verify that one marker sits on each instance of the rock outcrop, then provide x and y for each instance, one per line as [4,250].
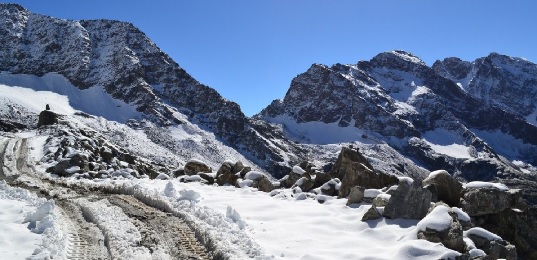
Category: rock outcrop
[448,189]
[47,117]
[408,201]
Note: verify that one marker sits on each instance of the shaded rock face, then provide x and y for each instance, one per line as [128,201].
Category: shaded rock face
[495,249]
[354,170]
[484,201]
[265,185]
[47,117]
[448,189]
[519,228]
[225,174]
[408,201]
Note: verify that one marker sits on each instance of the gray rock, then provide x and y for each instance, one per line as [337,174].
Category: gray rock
[356,195]
[484,201]
[321,178]
[372,213]
[354,170]
[410,202]
[237,167]
[448,189]
[195,167]
[304,183]
[379,202]
[265,185]
[47,117]
[331,187]
[496,249]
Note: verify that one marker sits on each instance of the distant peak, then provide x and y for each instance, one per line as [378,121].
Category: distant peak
[397,59]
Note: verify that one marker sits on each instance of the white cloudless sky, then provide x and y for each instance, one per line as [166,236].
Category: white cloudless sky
[249,51]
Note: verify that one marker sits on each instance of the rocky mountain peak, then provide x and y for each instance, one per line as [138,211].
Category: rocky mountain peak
[398,59]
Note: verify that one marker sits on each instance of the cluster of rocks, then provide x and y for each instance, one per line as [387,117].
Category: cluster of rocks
[85,154]
[440,196]
[229,173]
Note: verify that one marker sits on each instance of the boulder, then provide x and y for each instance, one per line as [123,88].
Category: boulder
[304,183]
[80,160]
[207,177]
[193,167]
[354,170]
[237,167]
[381,200]
[331,187]
[489,200]
[356,195]
[441,225]
[265,185]
[245,170]
[408,201]
[372,213]
[47,117]
[320,179]
[493,245]
[448,188]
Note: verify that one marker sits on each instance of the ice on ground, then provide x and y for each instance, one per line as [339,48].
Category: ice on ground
[447,142]
[483,184]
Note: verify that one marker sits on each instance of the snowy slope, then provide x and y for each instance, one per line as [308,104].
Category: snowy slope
[172,146]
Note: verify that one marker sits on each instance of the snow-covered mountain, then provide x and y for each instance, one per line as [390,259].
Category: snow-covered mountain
[424,113]
[120,74]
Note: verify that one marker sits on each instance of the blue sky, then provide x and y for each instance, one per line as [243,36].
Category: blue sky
[249,51]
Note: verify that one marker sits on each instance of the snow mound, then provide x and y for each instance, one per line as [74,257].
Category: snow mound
[188,194]
[439,219]
[480,232]
[253,175]
[482,184]
[298,170]
[234,216]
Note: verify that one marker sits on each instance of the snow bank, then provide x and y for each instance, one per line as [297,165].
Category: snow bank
[298,170]
[253,175]
[482,184]
[480,232]
[29,226]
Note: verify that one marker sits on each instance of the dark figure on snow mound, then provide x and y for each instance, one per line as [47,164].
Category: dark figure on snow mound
[47,107]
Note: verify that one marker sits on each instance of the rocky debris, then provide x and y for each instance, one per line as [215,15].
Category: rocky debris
[442,225]
[356,195]
[493,245]
[47,117]
[86,154]
[320,179]
[408,201]
[447,188]
[230,172]
[296,173]
[8,126]
[354,170]
[478,201]
[304,183]
[517,226]
[193,167]
[371,214]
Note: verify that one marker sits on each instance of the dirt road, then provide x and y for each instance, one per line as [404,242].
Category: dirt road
[90,236]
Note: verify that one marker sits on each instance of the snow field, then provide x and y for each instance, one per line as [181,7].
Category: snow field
[244,222]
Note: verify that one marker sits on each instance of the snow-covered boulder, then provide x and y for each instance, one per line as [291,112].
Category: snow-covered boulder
[493,245]
[408,201]
[331,187]
[305,183]
[483,198]
[448,189]
[442,225]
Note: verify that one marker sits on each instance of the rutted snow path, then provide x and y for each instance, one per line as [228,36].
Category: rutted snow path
[98,225]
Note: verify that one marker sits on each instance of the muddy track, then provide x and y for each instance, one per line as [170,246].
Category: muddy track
[159,230]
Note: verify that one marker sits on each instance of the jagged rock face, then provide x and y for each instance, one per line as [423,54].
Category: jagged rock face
[119,57]
[503,81]
[396,94]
